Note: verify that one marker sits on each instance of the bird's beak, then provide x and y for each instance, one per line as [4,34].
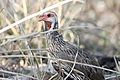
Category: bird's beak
[42,18]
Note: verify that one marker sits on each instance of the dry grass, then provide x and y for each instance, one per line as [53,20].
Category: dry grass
[22,42]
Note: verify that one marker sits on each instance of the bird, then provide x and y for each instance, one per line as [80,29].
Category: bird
[107,61]
[62,49]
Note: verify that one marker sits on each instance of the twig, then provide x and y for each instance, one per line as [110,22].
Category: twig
[72,66]
[36,34]
[23,50]
[14,73]
[9,56]
[29,35]
[116,64]
[111,77]
[35,14]
[53,76]
[1,78]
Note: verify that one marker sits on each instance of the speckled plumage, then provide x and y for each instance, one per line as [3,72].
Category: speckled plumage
[64,50]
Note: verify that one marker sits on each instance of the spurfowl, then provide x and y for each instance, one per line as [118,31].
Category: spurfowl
[64,50]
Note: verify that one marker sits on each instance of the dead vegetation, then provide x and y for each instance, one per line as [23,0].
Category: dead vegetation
[91,24]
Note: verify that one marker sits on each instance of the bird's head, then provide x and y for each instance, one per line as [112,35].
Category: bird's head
[50,19]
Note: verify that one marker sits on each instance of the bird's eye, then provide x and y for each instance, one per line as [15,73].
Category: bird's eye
[48,15]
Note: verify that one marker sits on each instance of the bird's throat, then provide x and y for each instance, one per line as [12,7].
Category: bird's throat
[48,25]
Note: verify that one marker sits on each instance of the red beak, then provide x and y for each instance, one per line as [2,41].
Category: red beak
[42,18]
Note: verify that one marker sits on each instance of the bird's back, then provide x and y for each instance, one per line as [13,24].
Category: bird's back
[64,50]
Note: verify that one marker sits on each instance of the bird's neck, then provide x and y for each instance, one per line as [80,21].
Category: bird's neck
[53,36]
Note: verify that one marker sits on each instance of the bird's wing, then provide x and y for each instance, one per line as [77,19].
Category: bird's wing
[69,52]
